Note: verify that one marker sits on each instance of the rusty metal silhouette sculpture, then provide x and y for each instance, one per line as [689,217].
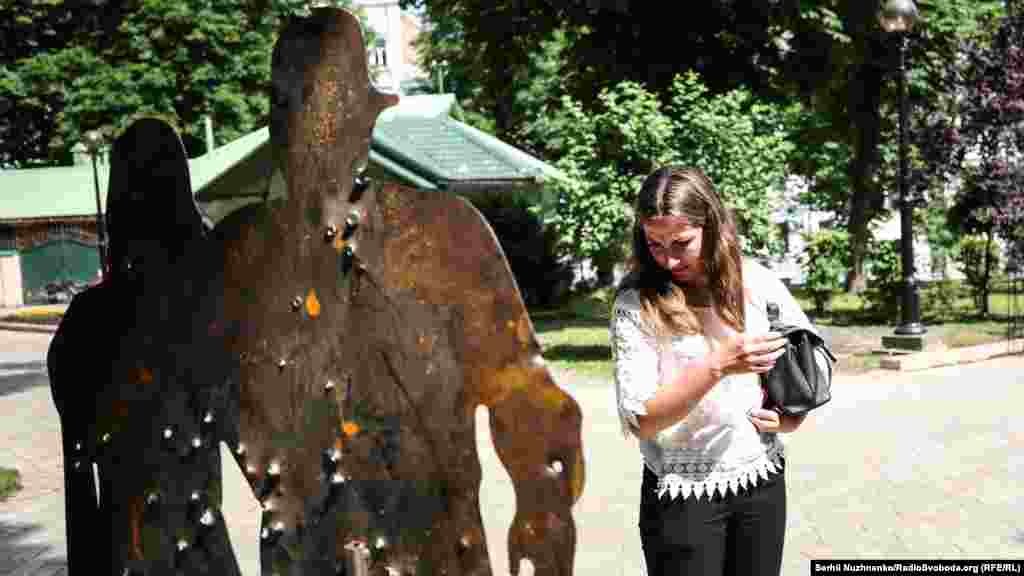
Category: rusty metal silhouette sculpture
[338,340]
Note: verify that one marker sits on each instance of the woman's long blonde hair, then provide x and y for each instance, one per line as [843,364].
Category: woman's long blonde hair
[686,193]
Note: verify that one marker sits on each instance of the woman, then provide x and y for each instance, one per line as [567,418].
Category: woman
[691,336]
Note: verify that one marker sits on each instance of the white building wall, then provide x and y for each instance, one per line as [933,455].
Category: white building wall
[385,17]
[10,281]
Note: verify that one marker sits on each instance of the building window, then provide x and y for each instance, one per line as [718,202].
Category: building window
[7,237]
[62,231]
[379,53]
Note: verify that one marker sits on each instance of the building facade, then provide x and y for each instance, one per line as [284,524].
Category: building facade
[393,56]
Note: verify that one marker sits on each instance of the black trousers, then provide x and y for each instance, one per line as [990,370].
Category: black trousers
[732,535]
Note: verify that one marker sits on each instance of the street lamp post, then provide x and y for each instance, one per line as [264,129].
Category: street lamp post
[898,17]
[92,140]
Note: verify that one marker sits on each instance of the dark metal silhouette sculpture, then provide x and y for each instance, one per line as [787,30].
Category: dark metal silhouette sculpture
[338,340]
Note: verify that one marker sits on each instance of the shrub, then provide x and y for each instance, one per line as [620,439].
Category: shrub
[530,248]
[979,271]
[940,300]
[824,263]
[885,276]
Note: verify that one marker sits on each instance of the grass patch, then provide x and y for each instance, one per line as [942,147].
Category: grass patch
[576,337]
[10,482]
[581,346]
[964,334]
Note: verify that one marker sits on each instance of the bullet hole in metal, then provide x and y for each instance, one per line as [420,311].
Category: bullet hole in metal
[351,222]
[359,185]
[348,255]
[556,467]
[168,439]
[207,519]
[266,486]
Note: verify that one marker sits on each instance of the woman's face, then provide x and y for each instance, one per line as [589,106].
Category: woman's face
[676,247]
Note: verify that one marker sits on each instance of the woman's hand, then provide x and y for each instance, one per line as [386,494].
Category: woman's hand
[765,420]
[749,353]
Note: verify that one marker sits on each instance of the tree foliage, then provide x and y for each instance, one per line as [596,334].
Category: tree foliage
[68,67]
[979,145]
[824,263]
[830,53]
[885,271]
[978,258]
[738,141]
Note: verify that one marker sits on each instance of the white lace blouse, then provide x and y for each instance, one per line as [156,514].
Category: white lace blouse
[715,448]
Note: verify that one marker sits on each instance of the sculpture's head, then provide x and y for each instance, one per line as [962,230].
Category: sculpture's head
[150,211]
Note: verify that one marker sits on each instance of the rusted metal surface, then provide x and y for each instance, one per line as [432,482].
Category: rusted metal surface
[339,341]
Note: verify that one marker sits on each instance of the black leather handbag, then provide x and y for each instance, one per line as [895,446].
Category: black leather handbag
[798,383]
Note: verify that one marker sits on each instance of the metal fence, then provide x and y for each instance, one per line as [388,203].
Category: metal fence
[1015,310]
[56,263]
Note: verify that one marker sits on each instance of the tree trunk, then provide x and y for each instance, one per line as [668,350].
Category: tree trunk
[986,275]
[864,95]
[865,201]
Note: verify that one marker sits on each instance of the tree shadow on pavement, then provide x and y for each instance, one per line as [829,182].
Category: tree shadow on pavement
[16,378]
[22,550]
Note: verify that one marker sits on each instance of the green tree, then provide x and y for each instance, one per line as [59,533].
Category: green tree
[738,141]
[979,260]
[846,73]
[831,53]
[70,66]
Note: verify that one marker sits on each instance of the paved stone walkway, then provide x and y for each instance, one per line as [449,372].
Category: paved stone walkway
[899,465]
